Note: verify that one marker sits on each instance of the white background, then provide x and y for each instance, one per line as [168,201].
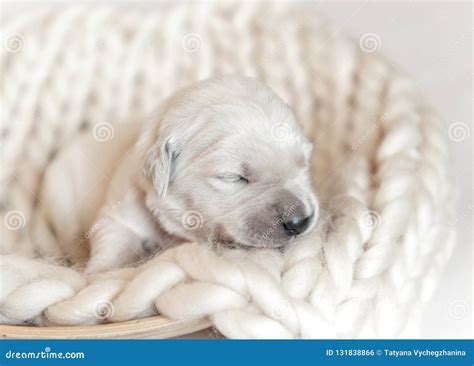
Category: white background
[431,41]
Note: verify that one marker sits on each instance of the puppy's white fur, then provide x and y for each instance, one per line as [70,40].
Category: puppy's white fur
[226,153]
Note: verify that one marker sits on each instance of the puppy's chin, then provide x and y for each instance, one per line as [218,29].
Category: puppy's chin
[261,245]
[278,242]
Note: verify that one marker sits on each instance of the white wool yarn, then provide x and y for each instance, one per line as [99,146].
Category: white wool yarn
[379,166]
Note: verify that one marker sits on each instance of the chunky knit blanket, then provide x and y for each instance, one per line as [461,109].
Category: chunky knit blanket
[379,167]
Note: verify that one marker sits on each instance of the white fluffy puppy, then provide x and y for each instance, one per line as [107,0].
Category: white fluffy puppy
[224,163]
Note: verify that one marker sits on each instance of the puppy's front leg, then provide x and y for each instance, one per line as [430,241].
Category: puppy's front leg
[123,234]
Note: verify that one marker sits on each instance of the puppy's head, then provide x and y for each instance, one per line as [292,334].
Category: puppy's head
[230,164]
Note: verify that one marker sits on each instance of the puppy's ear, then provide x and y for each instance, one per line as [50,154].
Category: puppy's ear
[160,163]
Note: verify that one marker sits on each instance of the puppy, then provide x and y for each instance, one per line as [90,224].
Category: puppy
[223,163]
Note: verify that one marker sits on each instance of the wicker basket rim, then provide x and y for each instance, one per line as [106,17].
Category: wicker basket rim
[156,327]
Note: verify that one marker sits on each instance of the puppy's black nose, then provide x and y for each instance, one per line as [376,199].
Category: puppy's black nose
[296,225]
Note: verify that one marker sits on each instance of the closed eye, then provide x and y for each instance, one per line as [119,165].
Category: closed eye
[232,178]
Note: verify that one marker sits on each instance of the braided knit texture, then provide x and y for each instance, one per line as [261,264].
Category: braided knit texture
[379,167]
